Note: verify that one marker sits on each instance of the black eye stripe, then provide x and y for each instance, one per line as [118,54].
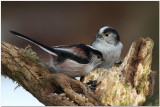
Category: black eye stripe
[108,30]
[98,56]
[106,34]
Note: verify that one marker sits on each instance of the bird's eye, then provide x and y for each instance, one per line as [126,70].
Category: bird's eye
[98,56]
[106,34]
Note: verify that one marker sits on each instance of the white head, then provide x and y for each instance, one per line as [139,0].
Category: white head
[96,60]
[108,34]
[96,57]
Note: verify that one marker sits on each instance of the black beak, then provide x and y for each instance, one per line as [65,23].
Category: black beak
[102,59]
[99,36]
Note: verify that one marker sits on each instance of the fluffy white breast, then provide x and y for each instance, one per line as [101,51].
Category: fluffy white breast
[72,68]
[111,53]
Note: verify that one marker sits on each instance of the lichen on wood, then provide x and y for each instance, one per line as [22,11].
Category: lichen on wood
[128,84]
[124,85]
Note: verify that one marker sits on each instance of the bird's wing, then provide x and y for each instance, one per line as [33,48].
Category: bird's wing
[77,50]
[74,52]
[63,53]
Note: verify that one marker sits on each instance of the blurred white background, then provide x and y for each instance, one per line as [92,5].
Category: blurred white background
[16,97]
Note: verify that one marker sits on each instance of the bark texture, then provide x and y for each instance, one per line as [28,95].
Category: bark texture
[126,84]
[24,67]
[131,82]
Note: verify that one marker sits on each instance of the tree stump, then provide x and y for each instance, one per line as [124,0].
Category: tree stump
[131,82]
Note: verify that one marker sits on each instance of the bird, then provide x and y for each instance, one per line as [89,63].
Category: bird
[73,60]
[107,41]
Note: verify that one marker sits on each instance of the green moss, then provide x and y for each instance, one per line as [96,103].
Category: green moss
[116,76]
[126,101]
[122,104]
[127,84]
[2,43]
[16,63]
[142,84]
[15,77]
[31,54]
[6,72]
[152,100]
[113,94]
[149,97]
[123,93]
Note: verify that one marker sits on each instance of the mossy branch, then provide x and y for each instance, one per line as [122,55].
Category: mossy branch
[127,84]
[24,67]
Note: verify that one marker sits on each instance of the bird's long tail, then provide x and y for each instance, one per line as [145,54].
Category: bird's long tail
[42,46]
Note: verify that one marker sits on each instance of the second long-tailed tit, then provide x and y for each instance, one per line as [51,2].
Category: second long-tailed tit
[108,42]
[73,60]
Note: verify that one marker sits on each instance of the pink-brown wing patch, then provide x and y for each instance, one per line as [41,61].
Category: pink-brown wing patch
[79,52]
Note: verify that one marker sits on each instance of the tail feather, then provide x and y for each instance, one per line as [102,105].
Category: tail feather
[42,46]
[62,54]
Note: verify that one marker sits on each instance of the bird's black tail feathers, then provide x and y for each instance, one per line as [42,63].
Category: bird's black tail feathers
[56,52]
[42,46]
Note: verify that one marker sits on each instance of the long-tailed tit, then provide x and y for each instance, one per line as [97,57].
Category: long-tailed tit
[108,42]
[74,60]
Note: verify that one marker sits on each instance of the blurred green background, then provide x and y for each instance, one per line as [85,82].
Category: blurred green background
[65,23]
